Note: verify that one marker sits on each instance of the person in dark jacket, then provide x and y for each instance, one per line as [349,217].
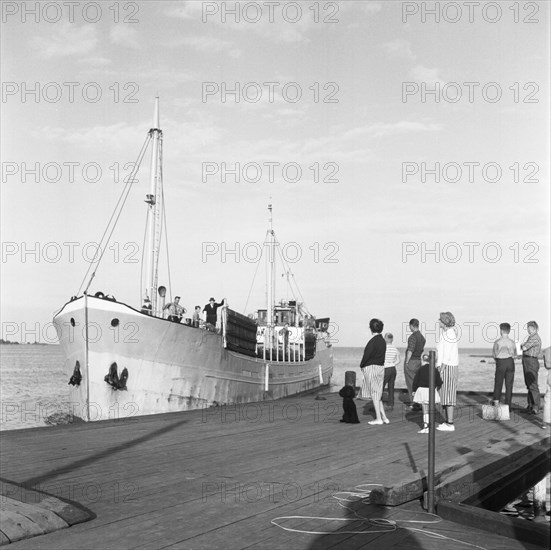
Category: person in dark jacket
[373,370]
[211,313]
[350,415]
[421,391]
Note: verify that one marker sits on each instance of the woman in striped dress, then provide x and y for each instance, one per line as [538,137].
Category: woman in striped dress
[373,370]
[447,362]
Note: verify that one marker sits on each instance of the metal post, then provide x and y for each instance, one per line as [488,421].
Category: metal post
[432,434]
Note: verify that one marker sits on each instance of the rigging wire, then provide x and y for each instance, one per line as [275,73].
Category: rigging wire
[143,255]
[252,284]
[122,197]
[288,270]
[164,221]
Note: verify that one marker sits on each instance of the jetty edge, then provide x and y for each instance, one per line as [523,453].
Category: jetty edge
[27,513]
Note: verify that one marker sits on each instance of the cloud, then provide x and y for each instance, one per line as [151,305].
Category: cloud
[399,48]
[96,61]
[186,10]
[356,145]
[123,35]
[372,7]
[192,136]
[116,136]
[388,129]
[67,39]
[278,30]
[169,77]
[204,44]
[425,74]
[285,117]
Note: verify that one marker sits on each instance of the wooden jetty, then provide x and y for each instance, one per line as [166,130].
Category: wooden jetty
[218,477]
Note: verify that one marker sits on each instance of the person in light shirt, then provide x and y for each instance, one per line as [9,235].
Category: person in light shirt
[531,349]
[392,360]
[175,310]
[447,362]
[504,354]
[547,399]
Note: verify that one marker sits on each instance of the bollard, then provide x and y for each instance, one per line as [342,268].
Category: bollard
[350,378]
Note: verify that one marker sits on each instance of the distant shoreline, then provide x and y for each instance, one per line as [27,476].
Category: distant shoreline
[8,343]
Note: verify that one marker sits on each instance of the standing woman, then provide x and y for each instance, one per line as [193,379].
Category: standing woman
[447,363]
[373,370]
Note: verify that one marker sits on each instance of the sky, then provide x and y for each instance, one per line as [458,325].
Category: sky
[405,152]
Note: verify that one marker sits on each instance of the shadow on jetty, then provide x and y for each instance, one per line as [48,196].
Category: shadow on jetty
[71,467]
[370,526]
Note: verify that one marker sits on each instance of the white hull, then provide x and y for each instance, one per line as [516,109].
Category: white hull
[171,367]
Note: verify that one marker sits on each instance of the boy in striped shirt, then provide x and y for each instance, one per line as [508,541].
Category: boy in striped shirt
[392,360]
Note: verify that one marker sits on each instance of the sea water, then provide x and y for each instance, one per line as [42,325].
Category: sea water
[34,381]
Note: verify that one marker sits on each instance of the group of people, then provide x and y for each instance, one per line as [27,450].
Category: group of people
[380,359]
[505,351]
[175,312]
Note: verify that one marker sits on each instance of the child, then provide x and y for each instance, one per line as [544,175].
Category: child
[392,360]
[350,415]
[421,391]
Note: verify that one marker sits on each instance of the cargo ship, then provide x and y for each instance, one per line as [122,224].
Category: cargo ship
[124,360]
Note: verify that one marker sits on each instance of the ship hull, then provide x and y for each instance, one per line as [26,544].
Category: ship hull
[171,367]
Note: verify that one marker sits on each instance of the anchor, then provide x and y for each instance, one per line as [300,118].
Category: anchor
[113,379]
[76,378]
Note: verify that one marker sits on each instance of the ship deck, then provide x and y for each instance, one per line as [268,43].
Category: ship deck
[217,478]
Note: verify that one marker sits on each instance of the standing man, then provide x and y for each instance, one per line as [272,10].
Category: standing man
[284,333]
[504,354]
[210,310]
[175,310]
[547,399]
[392,360]
[531,349]
[412,362]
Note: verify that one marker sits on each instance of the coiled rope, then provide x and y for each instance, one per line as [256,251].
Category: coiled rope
[373,525]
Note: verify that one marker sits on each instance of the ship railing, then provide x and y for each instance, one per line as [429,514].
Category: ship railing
[224,322]
[287,351]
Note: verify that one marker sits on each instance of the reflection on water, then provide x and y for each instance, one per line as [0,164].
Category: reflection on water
[523,506]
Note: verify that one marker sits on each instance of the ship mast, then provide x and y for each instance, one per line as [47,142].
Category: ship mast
[271,271]
[155,201]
